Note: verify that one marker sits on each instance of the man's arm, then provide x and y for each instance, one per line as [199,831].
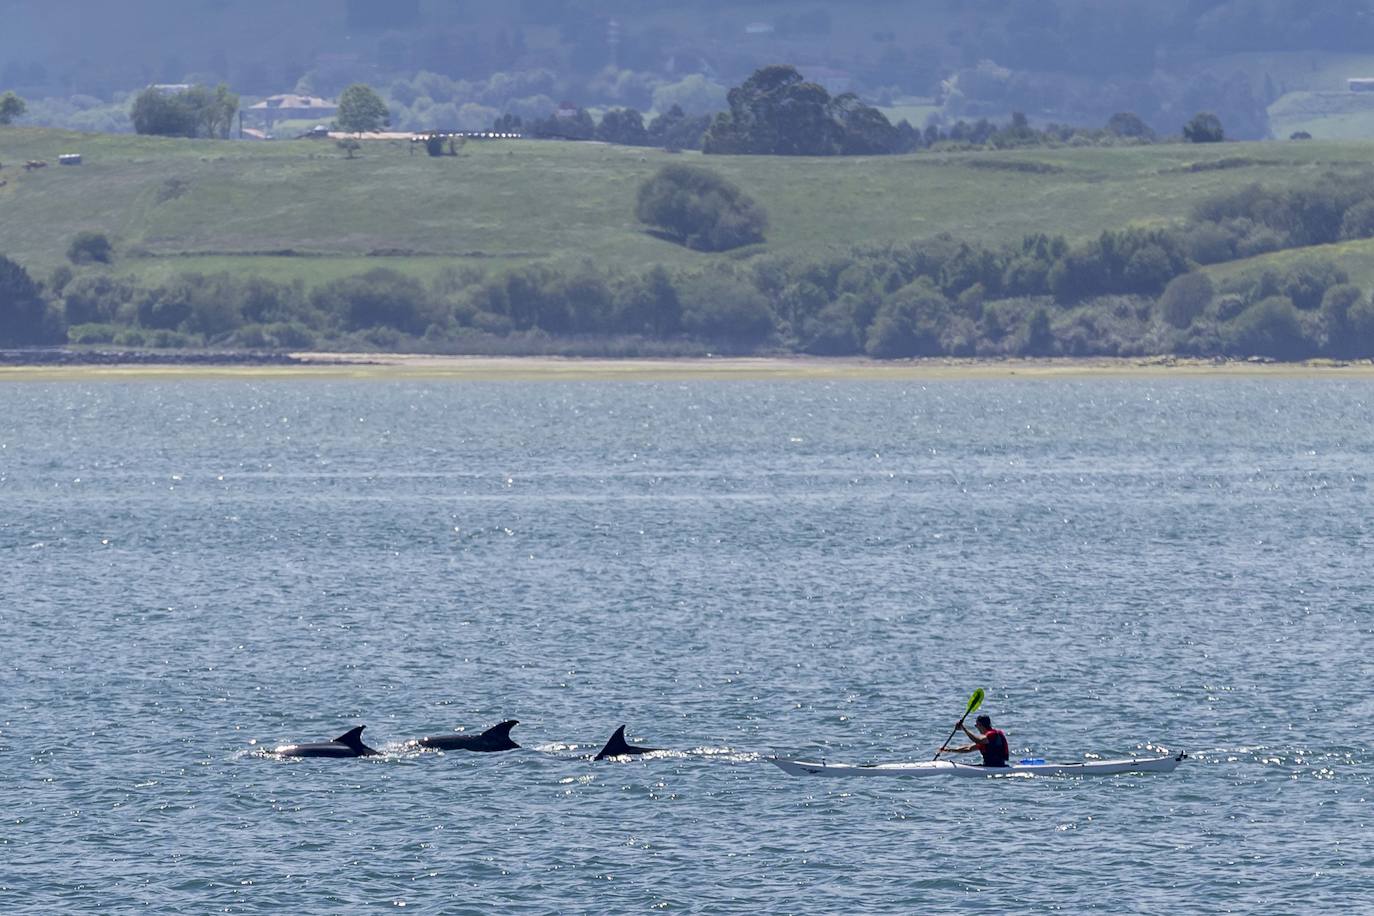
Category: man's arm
[959,750]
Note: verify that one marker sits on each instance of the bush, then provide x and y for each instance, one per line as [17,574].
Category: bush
[1185,298]
[24,315]
[700,209]
[1359,331]
[834,330]
[624,126]
[90,247]
[1306,283]
[909,323]
[1205,127]
[1358,222]
[379,298]
[95,298]
[91,333]
[719,307]
[1271,327]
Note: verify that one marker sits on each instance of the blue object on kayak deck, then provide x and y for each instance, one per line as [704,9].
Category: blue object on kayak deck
[1028,761]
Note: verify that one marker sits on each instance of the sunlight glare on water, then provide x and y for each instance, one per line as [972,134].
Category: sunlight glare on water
[194,574]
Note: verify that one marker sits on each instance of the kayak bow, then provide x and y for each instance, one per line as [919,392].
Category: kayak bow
[798,767]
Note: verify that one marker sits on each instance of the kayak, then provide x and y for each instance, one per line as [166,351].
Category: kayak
[950,768]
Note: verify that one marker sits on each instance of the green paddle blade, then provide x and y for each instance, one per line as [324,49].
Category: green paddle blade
[974,701]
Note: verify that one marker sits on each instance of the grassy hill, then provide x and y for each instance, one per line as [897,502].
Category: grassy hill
[300,209]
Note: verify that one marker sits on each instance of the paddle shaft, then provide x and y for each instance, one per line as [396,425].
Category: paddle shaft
[951,735]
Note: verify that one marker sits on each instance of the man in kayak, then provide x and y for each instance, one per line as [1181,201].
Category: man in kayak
[992,742]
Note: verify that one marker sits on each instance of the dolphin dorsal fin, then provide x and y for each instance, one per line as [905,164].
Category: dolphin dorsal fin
[501,729]
[615,746]
[353,737]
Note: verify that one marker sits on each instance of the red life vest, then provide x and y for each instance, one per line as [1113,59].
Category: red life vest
[994,748]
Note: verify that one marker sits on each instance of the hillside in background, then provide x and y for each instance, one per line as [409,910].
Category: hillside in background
[1266,67]
[174,205]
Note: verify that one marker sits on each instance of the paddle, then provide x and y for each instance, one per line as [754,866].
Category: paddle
[973,703]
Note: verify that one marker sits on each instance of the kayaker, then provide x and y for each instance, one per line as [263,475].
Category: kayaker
[992,743]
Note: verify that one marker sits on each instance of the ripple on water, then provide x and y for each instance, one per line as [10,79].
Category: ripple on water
[735,570]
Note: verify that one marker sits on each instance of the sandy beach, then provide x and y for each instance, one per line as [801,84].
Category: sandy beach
[390,366]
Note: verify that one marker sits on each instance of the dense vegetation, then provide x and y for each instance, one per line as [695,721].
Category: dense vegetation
[460,65]
[699,209]
[194,112]
[1127,292]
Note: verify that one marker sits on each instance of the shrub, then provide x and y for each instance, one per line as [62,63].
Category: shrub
[1039,339]
[24,316]
[699,209]
[1358,222]
[1306,283]
[95,298]
[1337,304]
[93,333]
[1205,127]
[379,298]
[909,323]
[89,247]
[1359,332]
[624,126]
[1271,327]
[720,307]
[1185,298]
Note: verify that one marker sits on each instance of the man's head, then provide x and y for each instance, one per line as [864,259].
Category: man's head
[984,723]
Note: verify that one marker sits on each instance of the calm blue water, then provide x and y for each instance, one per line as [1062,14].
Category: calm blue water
[192,573]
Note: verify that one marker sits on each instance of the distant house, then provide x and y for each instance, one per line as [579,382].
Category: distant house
[170,88]
[291,107]
[566,111]
[1360,84]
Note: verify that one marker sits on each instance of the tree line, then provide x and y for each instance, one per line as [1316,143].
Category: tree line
[777,112]
[1127,292]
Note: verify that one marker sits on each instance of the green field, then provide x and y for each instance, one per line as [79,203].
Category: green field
[299,209]
[1356,257]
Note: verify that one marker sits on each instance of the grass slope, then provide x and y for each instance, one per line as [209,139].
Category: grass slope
[175,205]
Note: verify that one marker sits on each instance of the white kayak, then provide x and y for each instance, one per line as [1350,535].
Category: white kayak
[950,768]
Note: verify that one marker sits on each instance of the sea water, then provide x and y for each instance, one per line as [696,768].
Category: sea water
[194,573]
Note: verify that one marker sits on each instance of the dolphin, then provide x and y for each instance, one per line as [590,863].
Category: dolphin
[617,747]
[349,744]
[496,738]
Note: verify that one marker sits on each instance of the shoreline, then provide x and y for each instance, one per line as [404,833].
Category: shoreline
[393,366]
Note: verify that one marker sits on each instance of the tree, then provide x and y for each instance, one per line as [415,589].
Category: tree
[11,107]
[700,209]
[213,111]
[675,129]
[866,130]
[1205,127]
[909,323]
[23,313]
[1185,298]
[775,112]
[195,112]
[379,298]
[1129,124]
[1039,336]
[349,146]
[162,114]
[1270,327]
[87,247]
[361,110]
[624,126]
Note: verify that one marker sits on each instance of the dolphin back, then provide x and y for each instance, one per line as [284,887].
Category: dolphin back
[500,734]
[618,747]
[353,740]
